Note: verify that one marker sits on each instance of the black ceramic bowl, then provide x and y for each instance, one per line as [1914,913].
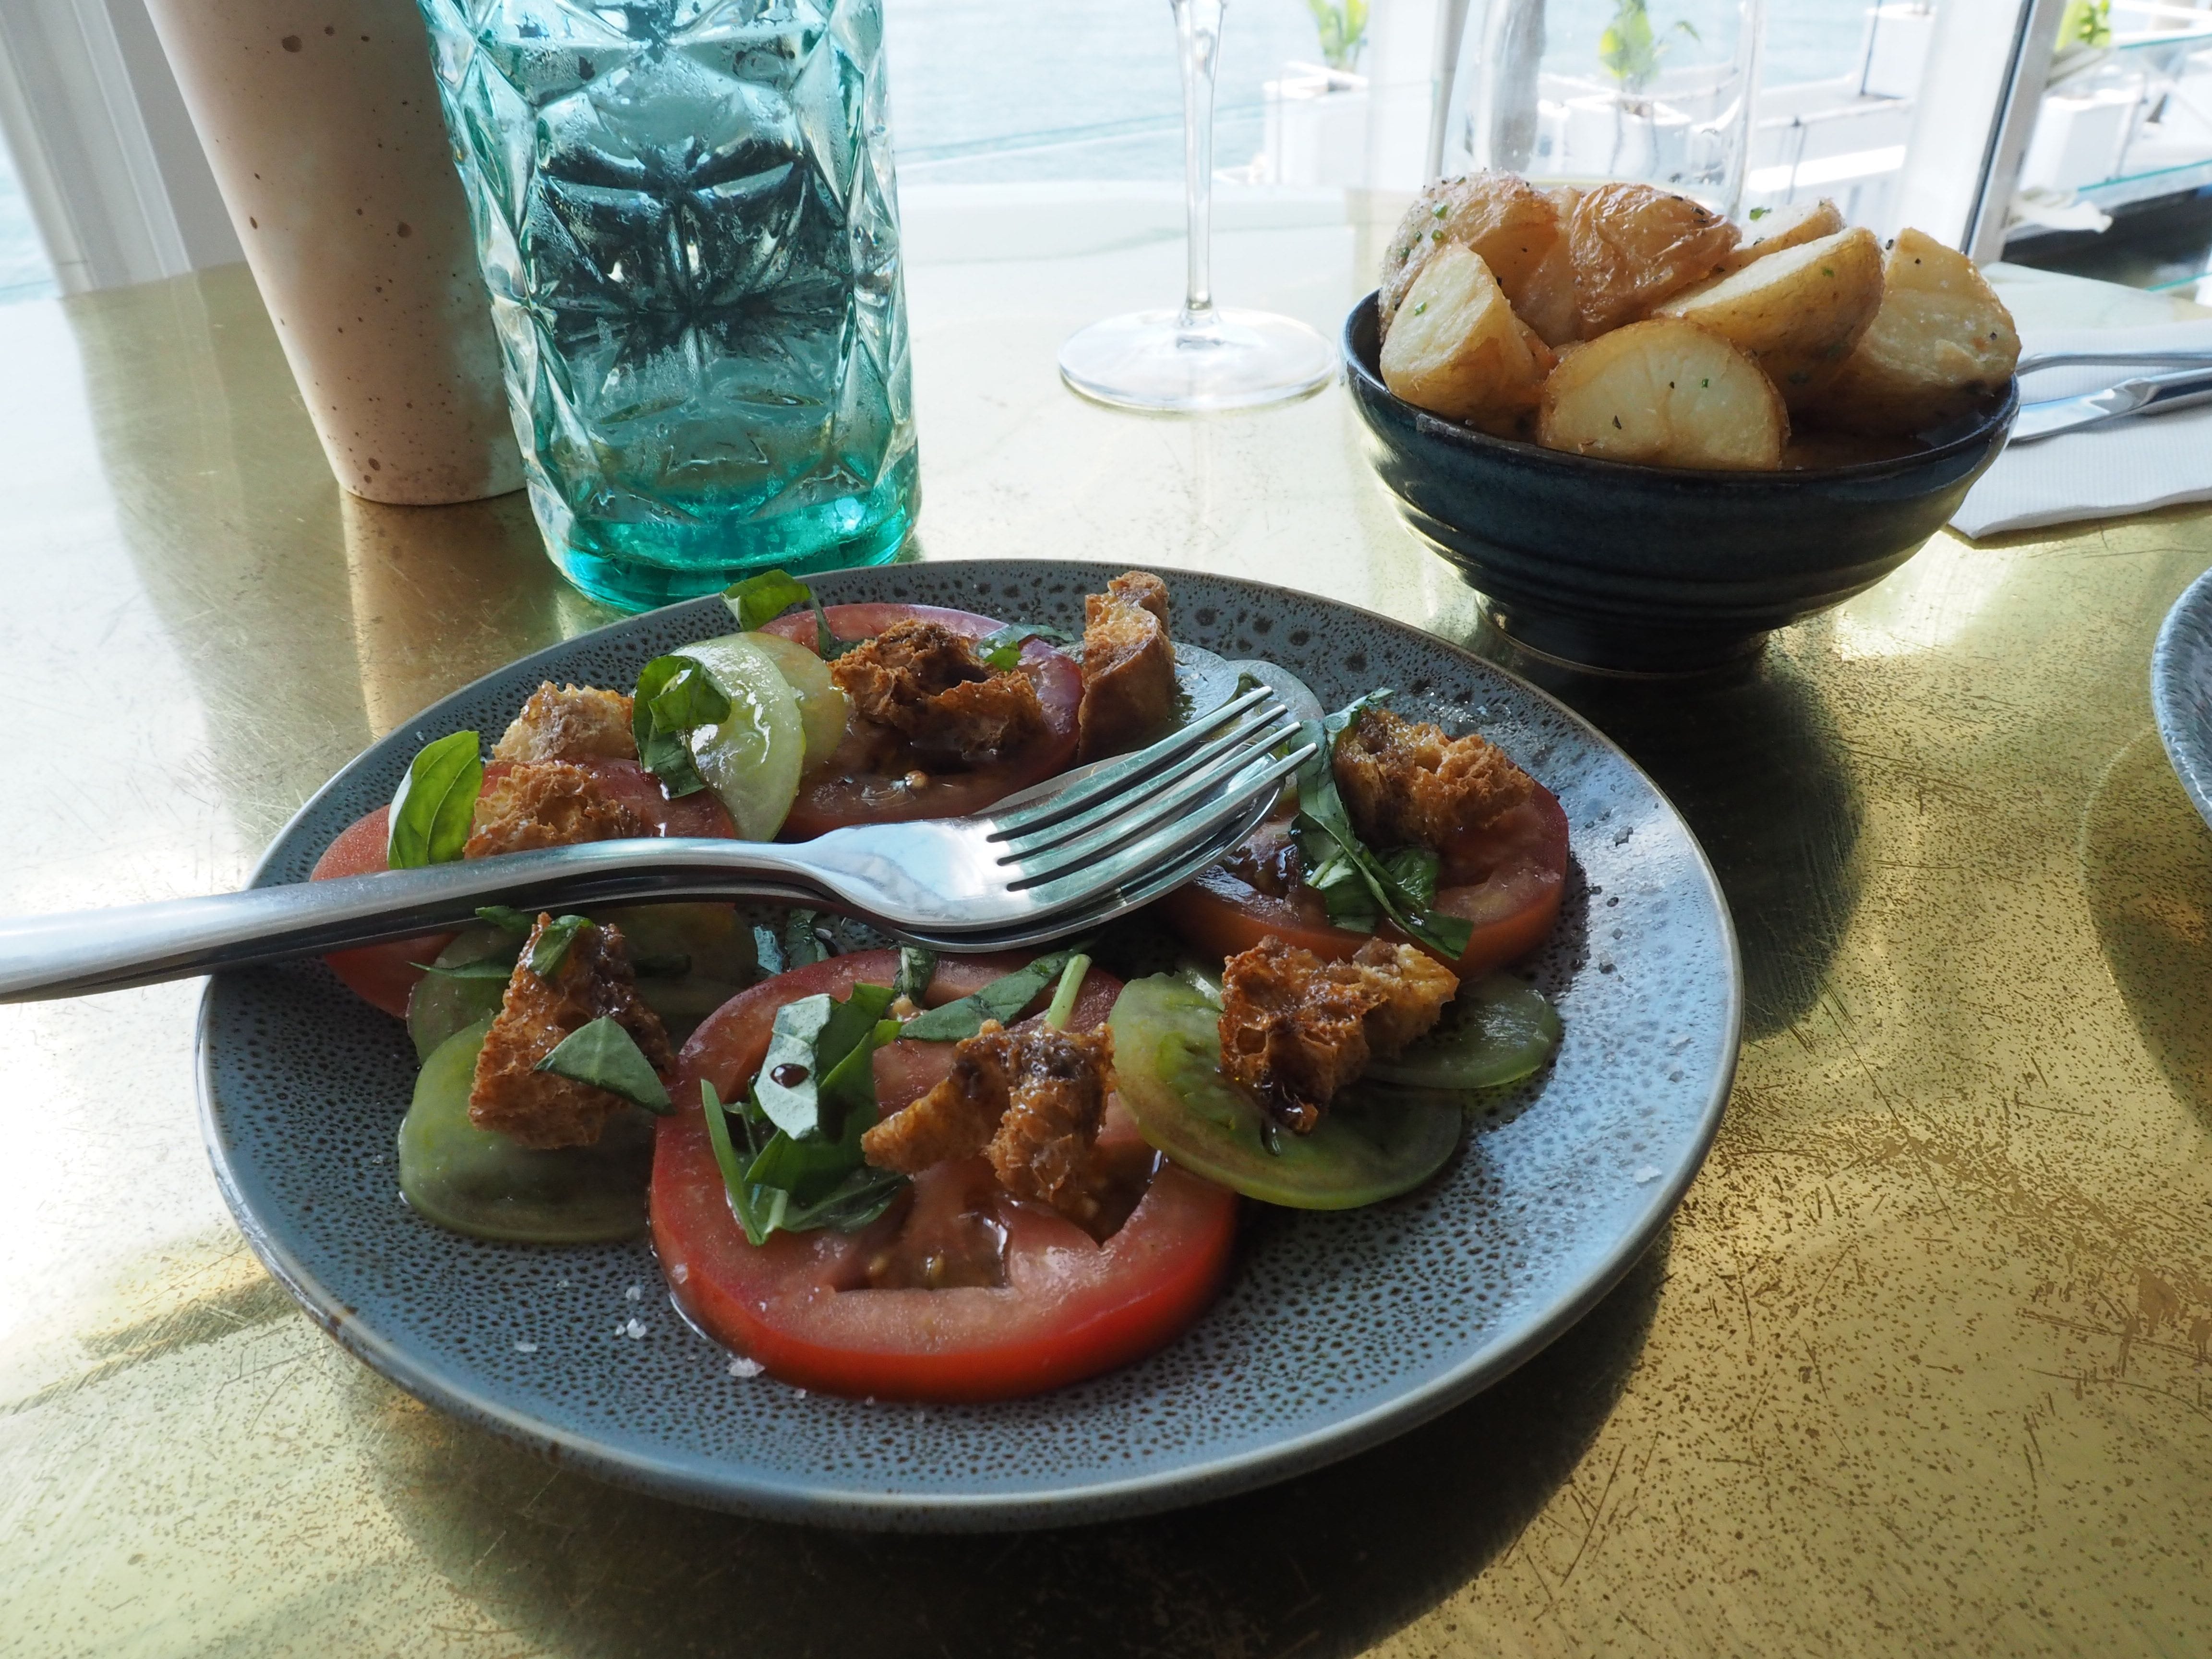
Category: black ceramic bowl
[1652,569]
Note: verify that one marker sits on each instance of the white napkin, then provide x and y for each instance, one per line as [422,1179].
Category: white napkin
[2129,466]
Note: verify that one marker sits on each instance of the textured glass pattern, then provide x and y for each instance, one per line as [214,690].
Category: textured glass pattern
[687,216]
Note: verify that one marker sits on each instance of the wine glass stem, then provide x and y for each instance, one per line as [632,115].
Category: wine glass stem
[1198,25]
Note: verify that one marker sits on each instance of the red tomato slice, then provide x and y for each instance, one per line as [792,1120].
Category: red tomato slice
[1069,1307]
[855,786]
[1506,881]
[383,975]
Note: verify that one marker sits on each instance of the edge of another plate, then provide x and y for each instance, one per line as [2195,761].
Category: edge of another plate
[688,1478]
[2181,691]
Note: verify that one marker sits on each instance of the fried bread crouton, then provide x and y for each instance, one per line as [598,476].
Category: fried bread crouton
[1295,1029]
[547,804]
[537,1109]
[920,679]
[1030,1100]
[1129,664]
[569,723]
[1405,782]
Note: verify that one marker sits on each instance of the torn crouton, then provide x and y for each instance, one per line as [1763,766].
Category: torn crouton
[1128,665]
[569,723]
[535,1109]
[920,679]
[1405,782]
[1295,1029]
[1030,1100]
[547,804]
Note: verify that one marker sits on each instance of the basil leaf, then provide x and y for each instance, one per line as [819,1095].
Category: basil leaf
[1342,863]
[1415,870]
[828,646]
[489,968]
[808,1174]
[849,1206]
[802,946]
[917,967]
[507,918]
[1002,650]
[675,696]
[431,812]
[758,600]
[552,947]
[767,951]
[1002,999]
[603,1055]
[802,1072]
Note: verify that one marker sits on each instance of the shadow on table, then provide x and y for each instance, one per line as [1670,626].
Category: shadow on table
[2146,861]
[1324,1565]
[1754,763]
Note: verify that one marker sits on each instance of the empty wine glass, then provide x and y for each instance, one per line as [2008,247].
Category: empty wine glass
[1199,357]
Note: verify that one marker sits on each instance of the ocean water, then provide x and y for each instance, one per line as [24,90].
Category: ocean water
[983,91]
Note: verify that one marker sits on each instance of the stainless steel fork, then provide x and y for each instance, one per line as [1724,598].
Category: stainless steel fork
[1056,859]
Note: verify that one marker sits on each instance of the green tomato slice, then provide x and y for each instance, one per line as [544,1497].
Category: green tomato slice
[753,759]
[1373,1143]
[442,1004]
[1495,1032]
[474,1181]
[824,709]
[690,958]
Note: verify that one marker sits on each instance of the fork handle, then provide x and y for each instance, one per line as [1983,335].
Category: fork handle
[86,951]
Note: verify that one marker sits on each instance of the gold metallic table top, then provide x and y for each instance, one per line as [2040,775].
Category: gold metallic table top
[1920,1366]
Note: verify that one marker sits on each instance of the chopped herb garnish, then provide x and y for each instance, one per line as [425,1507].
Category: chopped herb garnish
[759,601]
[488,968]
[1002,649]
[916,967]
[430,813]
[1353,881]
[1757,213]
[802,944]
[603,1055]
[507,918]
[551,949]
[1421,308]
[767,951]
[1071,987]
[1002,999]
[789,1167]
[676,696]
[807,1084]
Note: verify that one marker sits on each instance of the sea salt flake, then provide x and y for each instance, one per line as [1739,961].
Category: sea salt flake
[635,1292]
[743,1367]
[525,1347]
[680,1272]
[1648,1174]
[635,1329]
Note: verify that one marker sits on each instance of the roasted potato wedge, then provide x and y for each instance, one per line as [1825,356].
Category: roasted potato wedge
[1664,392]
[1941,344]
[1798,313]
[1499,215]
[1458,350]
[1632,246]
[1546,298]
[1789,227]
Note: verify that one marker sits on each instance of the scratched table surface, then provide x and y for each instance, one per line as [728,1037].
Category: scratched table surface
[1920,1365]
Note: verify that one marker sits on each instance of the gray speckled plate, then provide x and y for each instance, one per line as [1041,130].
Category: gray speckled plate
[2181,691]
[1336,1331]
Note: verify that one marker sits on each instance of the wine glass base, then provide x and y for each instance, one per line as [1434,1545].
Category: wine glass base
[1178,362]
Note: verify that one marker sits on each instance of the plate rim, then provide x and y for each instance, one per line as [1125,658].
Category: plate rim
[1071,1505]
[2189,752]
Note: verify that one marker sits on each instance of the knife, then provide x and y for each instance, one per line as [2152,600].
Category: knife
[2148,394]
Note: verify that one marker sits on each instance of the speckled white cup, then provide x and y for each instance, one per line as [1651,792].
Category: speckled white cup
[322,125]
